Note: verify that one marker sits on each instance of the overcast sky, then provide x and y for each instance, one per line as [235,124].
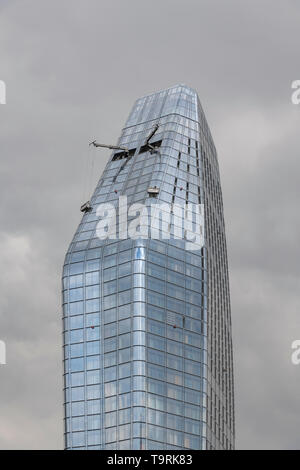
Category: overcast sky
[73,69]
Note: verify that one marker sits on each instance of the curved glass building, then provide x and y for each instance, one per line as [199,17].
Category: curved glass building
[147,326]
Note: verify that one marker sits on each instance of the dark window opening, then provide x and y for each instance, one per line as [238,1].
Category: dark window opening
[187,192]
[146,148]
[121,155]
[178,161]
[197,162]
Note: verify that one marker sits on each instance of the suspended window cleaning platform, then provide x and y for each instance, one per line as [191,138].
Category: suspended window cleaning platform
[153,192]
[86,207]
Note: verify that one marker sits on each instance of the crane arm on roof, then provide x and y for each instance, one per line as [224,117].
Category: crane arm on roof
[112,147]
[154,130]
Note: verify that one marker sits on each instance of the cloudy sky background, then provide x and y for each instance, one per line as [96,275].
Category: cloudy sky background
[73,70]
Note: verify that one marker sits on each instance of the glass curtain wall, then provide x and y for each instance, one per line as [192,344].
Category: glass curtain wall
[146,323]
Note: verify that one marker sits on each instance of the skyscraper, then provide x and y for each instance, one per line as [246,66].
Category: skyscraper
[147,327]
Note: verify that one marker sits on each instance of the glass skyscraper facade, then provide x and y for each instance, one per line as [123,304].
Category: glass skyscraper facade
[147,326]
